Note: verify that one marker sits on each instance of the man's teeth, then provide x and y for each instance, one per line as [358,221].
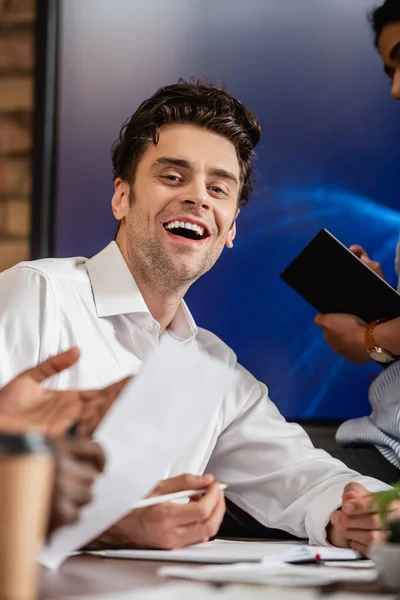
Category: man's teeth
[176,224]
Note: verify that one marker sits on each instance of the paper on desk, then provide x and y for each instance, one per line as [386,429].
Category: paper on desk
[153,418]
[273,573]
[229,551]
[355,596]
[199,591]
[355,564]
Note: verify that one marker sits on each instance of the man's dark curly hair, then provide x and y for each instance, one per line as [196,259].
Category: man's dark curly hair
[195,102]
[388,13]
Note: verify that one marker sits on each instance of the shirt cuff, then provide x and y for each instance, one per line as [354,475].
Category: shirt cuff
[321,509]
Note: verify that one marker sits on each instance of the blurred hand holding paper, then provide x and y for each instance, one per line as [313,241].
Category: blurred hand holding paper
[149,426]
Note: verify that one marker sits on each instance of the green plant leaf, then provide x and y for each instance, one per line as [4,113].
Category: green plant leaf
[381,501]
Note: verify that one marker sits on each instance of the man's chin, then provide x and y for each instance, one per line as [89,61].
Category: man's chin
[188,272]
[185,266]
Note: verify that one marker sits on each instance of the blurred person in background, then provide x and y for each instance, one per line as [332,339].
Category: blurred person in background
[371,444]
[26,406]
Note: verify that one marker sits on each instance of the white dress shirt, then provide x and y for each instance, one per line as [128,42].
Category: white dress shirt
[271,467]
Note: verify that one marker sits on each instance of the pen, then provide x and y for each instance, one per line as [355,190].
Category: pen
[171,497]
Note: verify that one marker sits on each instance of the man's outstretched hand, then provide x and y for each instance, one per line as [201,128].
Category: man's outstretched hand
[26,406]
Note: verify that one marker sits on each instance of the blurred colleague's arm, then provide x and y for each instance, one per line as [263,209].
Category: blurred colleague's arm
[78,463]
[25,405]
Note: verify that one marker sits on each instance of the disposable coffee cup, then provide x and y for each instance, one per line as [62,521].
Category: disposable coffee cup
[26,482]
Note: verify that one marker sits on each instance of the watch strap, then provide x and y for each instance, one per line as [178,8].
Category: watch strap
[369,335]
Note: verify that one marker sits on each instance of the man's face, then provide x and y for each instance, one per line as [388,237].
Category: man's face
[182,207]
[389,49]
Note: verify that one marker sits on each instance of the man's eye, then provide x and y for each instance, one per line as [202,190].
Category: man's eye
[217,190]
[173,178]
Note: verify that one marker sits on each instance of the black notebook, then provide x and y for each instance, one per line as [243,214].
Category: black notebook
[333,280]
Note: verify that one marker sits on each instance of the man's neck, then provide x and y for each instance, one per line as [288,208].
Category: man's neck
[161,301]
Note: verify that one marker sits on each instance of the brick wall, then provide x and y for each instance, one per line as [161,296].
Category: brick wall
[17,19]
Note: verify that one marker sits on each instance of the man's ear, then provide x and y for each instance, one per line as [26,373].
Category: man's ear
[120,199]
[232,232]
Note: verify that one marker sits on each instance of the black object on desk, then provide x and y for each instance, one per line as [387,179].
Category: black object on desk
[333,280]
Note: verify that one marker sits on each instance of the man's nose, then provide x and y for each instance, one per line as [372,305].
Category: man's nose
[197,195]
[396,85]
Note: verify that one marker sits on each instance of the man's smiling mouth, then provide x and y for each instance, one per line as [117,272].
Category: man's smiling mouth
[187,229]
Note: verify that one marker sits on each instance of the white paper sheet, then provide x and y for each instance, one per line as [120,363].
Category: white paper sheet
[154,418]
[362,564]
[354,596]
[229,551]
[273,573]
[200,591]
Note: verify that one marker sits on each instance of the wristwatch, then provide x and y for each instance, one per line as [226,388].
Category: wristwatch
[377,353]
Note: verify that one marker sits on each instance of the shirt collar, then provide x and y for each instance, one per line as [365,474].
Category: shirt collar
[115,292]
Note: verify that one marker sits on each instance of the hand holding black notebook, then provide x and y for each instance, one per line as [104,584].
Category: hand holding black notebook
[333,280]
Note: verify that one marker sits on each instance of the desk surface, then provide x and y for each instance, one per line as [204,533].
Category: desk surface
[91,575]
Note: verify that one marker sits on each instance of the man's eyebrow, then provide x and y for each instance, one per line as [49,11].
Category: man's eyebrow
[186,164]
[395,52]
[171,160]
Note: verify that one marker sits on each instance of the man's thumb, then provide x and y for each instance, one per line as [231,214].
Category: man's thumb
[53,365]
[355,489]
[181,483]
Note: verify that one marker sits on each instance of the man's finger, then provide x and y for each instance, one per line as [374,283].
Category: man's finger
[198,511]
[215,520]
[368,522]
[88,452]
[358,547]
[53,365]
[80,491]
[181,483]
[106,395]
[202,531]
[358,251]
[96,404]
[62,422]
[357,488]
[395,509]
[114,390]
[319,320]
[350,495]
[359,506]
[365,537]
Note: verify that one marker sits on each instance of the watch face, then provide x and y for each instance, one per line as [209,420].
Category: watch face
[380,355]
